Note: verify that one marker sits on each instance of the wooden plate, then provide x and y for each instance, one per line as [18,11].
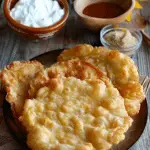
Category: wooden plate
[132,135]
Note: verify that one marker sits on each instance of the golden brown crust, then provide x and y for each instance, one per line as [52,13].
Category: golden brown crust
[77,51]
[81,51]
[76,68]
[134,96]
[121,69]
[73,114]
[15,79]
[115,64]
[118,67]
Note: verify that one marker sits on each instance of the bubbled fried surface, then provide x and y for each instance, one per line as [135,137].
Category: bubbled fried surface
[75,68]
[93,55]
[118,67]
[133,95]
[73,114]
[15,79]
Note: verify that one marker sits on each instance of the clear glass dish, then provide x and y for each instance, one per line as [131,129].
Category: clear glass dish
[128,51]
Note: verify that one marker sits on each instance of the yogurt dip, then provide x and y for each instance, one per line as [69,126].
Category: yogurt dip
[37,13]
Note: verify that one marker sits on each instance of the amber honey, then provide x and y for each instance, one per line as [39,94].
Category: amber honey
[103,10]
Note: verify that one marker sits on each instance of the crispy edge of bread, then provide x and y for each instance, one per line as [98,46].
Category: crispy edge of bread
[52,85]
[80,51]
[16,65]
[112,57]
[133,94]
[70,66]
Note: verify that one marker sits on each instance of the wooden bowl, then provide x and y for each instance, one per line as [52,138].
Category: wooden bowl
[30,32]
[96,23]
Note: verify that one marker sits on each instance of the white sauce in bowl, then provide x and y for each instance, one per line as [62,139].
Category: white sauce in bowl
[37,13]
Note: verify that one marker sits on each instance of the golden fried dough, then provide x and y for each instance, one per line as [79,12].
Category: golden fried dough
[118,67]
[93,55]
[15,78]
[121,68]
[76,68]
[133,95]
[73,114]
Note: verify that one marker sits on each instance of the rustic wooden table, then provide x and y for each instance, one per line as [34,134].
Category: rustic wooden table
[13,47]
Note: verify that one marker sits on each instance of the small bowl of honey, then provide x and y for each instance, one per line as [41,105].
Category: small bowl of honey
[98,13]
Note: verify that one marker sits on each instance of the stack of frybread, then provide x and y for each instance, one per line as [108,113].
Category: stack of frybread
[83,102]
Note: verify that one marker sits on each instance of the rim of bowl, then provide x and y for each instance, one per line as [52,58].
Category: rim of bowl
[88,17]
[53,27]
[105,43]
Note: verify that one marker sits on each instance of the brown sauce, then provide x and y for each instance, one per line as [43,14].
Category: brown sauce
[103,10]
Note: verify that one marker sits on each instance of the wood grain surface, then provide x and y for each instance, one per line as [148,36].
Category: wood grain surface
[13,47]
